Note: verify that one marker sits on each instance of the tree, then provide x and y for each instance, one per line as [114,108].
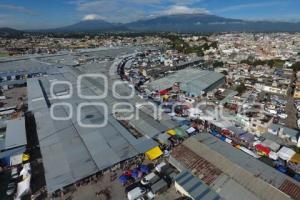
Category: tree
[224,72]
[218,63]
[296,66]
[241,88]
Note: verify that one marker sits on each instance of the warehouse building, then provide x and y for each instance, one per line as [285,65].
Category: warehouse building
[191,186]
[227,169]
[193,81]
[72,152]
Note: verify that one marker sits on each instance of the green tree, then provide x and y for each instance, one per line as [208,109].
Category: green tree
[241,88]
[296,66]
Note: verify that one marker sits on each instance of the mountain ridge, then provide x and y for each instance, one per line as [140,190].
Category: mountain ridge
[184,23]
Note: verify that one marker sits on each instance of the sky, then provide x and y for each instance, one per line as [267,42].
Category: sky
[42,14]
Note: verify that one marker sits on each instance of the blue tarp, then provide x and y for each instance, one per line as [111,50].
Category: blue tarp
[145,169]
[135,173]
[5,156]
[184,122]
[123,179]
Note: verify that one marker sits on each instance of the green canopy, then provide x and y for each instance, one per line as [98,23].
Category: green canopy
[181,132]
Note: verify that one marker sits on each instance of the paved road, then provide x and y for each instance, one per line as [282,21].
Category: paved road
[291,111]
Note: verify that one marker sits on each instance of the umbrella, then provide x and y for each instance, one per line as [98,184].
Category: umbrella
[140,174]
[127,173]
[145,169]
[135,173]
[123,179]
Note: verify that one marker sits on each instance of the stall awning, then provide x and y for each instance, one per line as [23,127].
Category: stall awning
[181,132]
[154,153]
[262,149]
[295,158]
[171,132]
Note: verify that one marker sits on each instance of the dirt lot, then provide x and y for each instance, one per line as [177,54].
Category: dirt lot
[113,189]
[14,96]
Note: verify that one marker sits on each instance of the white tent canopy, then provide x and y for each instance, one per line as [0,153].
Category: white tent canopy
[286,153]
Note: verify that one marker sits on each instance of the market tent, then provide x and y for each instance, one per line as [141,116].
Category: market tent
[286,153]
[262,149]
[171,132]
[184,122]
[271,144]
[123,179]
[165,97]
[154,153]
[181,132]
[135,174]
[23,188]
[163,138]
[273,155]
[145,169]
[16,159]
[190,130]
[5,156]
[163,92]
[25,157]
[184,127]
[295,158]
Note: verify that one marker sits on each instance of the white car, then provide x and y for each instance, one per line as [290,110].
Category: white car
[159,168]
[150,178]
[150,195]
[282,115]
[136,193]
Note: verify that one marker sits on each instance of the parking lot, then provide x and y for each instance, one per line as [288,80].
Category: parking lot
[108,187]
[14,96]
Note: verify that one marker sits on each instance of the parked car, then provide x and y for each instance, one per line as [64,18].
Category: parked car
[136,193]
[161,167]
[150,195]
[150,179]
[159,187]
[283,115]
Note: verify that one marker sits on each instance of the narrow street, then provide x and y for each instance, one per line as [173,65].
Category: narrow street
[291,111]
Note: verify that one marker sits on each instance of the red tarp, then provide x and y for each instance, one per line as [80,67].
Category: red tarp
[163,92]
[262,149]
[226,132]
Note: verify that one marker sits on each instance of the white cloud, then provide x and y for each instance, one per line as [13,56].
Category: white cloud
[132,10]
[246,6]
[176,9]
[16,8]
[92,17]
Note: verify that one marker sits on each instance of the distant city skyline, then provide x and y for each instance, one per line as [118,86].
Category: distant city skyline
[32,14]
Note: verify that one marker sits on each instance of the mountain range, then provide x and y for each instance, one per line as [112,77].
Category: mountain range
[184,23]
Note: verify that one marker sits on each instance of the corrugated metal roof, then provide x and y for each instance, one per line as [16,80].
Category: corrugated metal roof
[246,170]
[22,67]
[78,151]
[12,82]
[12,152]
[192,80]
[15,135]
[196,188]
[286,130]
